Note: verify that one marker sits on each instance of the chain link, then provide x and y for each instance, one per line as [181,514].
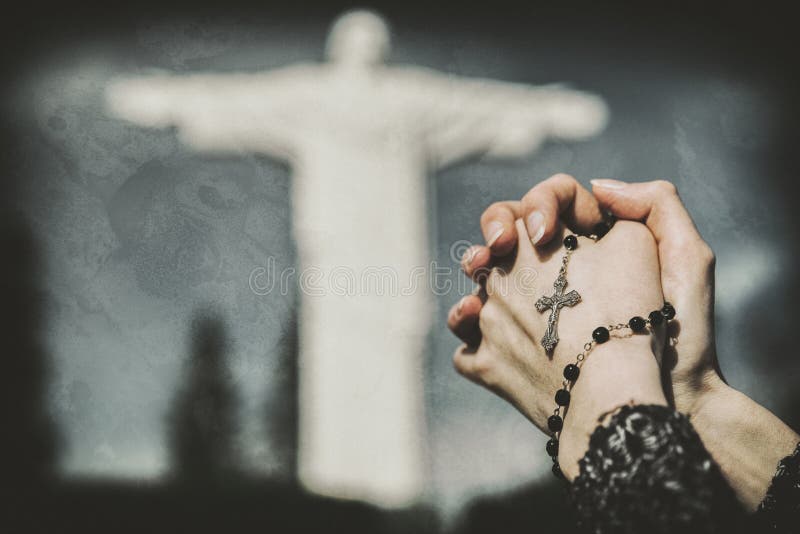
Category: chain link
[564,262]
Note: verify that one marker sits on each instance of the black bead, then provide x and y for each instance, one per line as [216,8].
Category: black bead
[557,471]
[655,318]
[600,229]
[562,397]
[668,311]
[552,447]
[554,423]
[571,372]
[637,324]
[571,242]
[600,334]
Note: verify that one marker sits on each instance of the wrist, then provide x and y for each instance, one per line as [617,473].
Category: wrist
[623,371]
[697,394]
[745,439]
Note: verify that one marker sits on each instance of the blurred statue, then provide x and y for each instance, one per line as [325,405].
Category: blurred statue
[361,138]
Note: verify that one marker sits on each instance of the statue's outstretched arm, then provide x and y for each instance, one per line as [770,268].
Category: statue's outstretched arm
[215,112]
[472,117]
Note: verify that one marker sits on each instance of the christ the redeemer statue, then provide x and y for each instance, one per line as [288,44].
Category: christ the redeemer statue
[361,138]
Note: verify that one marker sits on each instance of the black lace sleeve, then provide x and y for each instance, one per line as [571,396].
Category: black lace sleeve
[780,509]
[648,471]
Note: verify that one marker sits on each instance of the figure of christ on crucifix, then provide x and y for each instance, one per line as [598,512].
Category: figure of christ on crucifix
[361,138]
[554,303]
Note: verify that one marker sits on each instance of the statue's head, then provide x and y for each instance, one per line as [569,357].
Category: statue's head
[358,38]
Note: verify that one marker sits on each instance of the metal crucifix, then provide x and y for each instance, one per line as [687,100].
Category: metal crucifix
[554,303]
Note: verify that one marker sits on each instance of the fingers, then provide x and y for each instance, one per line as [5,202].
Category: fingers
[476,261]
[560,196]
[463,318]
[497,224]
[683,254]
[658,205]
[464,361]
[655,203]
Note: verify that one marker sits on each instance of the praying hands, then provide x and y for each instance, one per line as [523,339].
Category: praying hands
[656,373]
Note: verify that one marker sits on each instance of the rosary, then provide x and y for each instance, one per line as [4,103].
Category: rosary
[600,335]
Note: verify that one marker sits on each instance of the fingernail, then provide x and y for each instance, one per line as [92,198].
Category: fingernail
[605,183]
[496,229]
[460,305]
[469,254]
[535,226]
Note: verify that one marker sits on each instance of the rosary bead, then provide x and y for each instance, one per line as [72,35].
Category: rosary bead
[562,397]
[552,448]
[637,324]
[557,471]
[600,334]
[571,372]
[600,229]
[668,311]
[554,423]
[571,242]
[655,318]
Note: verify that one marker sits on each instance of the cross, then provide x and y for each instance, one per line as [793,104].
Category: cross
[554,303]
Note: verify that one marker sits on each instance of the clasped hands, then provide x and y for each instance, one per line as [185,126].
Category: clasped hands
[653,253]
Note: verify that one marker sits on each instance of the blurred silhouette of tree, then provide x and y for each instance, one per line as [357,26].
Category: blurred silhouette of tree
[203,416]
[28,444]
[281,406]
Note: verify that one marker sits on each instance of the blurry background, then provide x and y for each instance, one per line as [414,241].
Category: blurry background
[145,384]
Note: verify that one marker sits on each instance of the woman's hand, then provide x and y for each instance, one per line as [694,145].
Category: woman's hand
[746,439]
[617,278]
[559,198]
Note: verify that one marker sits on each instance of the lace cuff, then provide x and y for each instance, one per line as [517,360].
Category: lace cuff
[647,471]
[780,509]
